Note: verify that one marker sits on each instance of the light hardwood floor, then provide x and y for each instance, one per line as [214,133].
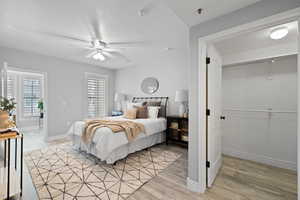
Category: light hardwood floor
[237,180]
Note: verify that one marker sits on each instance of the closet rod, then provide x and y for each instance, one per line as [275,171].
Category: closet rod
[264,111]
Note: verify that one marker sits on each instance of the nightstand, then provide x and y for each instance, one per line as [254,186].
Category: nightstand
[177,130]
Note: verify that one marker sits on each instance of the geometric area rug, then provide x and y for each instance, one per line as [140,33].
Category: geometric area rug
[61,173]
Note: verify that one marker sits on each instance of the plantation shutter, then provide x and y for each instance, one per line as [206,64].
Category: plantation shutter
[31,96]
[11,81]
[96,96]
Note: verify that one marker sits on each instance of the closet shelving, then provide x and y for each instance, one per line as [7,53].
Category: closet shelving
[258,110]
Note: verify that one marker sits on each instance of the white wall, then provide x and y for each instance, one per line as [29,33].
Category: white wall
[172,75]
[65,85]
[260,136]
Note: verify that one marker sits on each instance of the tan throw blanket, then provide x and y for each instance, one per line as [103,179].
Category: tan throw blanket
[132,129]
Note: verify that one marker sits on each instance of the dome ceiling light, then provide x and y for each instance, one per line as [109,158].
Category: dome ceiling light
[279,33]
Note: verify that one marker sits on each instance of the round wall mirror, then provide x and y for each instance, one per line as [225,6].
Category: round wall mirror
[150,85]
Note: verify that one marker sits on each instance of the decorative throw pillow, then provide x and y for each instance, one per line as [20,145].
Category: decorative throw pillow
[142,112]
[154,103]
[153,112]
[131,113]
[132,105]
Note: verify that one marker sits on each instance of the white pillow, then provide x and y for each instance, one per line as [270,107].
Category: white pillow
[132,105]
[153,112]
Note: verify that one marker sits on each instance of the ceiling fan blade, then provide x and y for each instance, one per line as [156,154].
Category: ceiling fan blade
[91,54]
[94,26]
[90,47]
[66,37]
[49,34]
[127,44]
[110,50]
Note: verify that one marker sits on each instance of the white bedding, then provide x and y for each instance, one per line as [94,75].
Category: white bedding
[105,141]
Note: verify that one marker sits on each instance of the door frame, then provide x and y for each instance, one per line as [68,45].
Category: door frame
[203,42]
[10,67]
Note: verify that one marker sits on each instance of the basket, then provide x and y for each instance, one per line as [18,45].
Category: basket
[5,122]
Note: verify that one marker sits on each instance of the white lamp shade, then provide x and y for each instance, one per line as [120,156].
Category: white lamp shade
[119,97]
[181,96]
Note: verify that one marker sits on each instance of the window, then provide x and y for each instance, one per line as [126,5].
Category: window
[96,96]
[31,96]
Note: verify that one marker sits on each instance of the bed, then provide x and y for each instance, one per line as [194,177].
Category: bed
[111,147]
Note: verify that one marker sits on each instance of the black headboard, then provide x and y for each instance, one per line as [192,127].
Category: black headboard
[163,100]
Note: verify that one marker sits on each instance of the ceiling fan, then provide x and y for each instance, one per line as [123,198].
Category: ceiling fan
[101,50]
[98,49]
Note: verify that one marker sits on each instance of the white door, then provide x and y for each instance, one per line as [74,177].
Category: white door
[214,95]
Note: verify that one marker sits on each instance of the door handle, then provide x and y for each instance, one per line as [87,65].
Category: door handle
[222,117]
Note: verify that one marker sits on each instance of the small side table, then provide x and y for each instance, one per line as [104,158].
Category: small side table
[177,130]
[10,183]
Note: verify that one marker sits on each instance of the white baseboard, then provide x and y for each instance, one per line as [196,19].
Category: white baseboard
[56,137]
[194,186]
[214,169]
[261,159]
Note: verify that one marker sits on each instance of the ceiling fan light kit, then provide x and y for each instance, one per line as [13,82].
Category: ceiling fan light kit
[99,56]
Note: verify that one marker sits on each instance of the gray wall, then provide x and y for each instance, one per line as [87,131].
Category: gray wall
[65,85]
[251,13]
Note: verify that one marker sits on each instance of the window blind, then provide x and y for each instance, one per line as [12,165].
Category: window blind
[31,96]
[96,96]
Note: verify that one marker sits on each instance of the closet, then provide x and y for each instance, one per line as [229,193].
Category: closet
[259,100]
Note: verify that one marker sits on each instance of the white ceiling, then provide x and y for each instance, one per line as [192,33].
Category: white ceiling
[187,9]
[27,24]
[256,40]
[32,24]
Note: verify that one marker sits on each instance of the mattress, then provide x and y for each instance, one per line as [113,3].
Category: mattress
[123,150]
[105,142]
